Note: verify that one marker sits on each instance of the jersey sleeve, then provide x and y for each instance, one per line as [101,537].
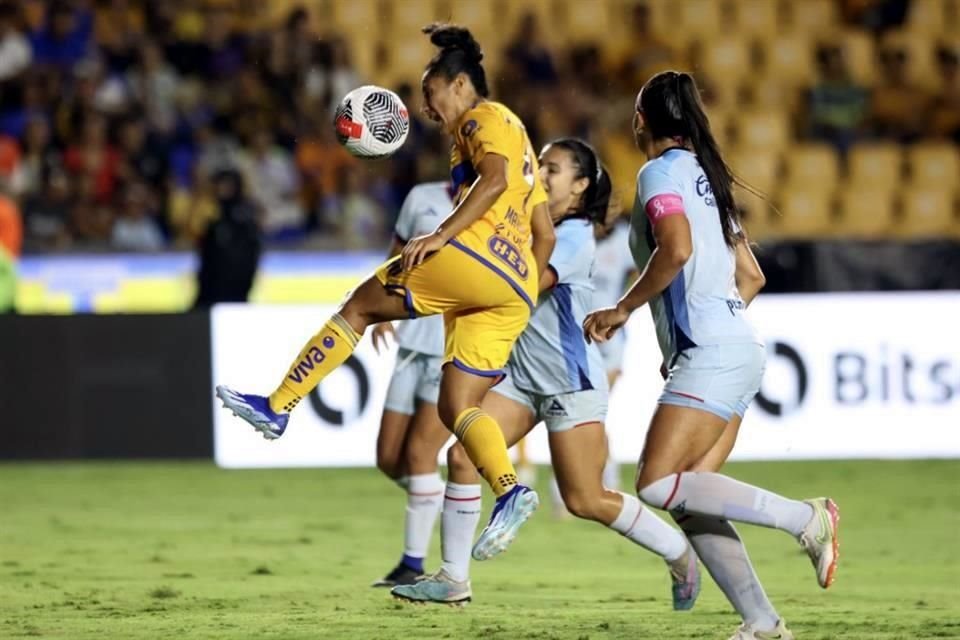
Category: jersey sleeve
[485,131]
[403,229]
[659,192]
[573,252]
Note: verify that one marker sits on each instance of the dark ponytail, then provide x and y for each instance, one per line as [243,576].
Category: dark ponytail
[459,53]
[596,198]
[671,107]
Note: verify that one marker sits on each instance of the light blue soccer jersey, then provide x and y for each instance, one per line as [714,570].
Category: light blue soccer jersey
[551,356]
[613,265]
[702,305]
[425,206]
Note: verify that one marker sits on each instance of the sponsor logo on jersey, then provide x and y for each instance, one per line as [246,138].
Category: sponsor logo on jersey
[469,128]
[509,255]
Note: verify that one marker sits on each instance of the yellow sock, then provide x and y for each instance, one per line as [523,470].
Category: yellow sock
[482,438]
[325,351]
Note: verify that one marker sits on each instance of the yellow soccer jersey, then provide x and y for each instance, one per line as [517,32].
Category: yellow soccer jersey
[502,236]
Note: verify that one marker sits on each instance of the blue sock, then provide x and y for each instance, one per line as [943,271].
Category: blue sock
[412,563]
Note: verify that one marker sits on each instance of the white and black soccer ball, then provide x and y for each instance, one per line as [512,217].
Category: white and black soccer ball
[371,122]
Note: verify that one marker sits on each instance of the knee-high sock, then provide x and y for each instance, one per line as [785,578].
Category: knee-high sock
[719,496]
[458,523]
[611,474]
[484,443]
[645,528]
[722,552]
[325,351]
[424,499]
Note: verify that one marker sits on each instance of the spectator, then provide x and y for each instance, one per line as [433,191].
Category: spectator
[331,76]
[65,37]
[897,105]
[944,112]
[9,163]
[46,211]
[361,220]
[230,248]
[645,54]
[40,158]
[15,50]
[837,105]
[191,210]
[11,240]
[531,55]
[153,83]
[135,228]
[93,159]
[118,27]
[273,184]
[143,157]
[321,160]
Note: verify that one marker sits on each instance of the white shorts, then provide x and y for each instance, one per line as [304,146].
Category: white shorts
[721,378]
[416,376]
[612,352]
[562,411]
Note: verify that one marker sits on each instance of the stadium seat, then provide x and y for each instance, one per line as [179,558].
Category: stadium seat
[934,165]
[875,165]
[804,213]
[812,166]
[757,215]
[866,213]
[762,129]
[360,18]
[758,168]
[721,125]
[543,9]
[927,17]
[407,57]
[788,59]
[811,16]
[921,65]
[409,17]
[928,213]
[860,53]
[757,19]
[585,21]
[697,18]
[727,59]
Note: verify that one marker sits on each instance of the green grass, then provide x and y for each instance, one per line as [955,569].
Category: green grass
[190,551]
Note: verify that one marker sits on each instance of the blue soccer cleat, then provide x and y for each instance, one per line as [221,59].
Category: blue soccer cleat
[256,411]
[510,512]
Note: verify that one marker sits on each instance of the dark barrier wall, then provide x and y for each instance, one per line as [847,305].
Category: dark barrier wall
[105,386]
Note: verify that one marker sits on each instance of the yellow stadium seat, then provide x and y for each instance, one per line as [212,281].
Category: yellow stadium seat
[927,17]
[934,164]
[721,125]
[928,213]
[921,64]
[407,17]
[698,18]
[875,165]
[789,59]
[357,17]
[757,19]
[726,60]
[542,9]
[811,16]
[812,166]
[407,58]
[585,21]
[860,53]
[756,215]
[804,213]
[866,213]
[758,168]
[767,129]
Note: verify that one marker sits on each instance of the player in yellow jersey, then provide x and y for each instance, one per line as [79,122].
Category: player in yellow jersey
[480,268]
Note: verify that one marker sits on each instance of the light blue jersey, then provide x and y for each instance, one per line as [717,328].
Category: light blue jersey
[551,356]
[614,264]
[702,305]
[425,206]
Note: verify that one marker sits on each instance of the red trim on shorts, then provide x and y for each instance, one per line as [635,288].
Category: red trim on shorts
[676,485]
[685,395]
[446,497]
[583,424]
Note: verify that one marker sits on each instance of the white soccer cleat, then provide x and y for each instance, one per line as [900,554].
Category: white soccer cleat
[821,539]
[746,632]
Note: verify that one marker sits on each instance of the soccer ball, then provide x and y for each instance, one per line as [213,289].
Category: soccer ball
[371,122]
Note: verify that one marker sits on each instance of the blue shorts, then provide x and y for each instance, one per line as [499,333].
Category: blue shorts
[416,376]
[612,351]
[560,412]
[721,378]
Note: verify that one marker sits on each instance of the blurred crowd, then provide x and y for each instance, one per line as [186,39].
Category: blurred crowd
[142,125]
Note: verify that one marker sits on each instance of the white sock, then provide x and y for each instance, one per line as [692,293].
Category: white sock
[646,529]
[458,523]
[424,499]
[719,496]
[611,475]
[723,554]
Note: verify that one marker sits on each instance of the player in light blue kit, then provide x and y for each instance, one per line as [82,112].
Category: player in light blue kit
[555,376]
[698,274]
[411,433]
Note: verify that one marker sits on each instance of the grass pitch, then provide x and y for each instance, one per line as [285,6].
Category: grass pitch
[158,550]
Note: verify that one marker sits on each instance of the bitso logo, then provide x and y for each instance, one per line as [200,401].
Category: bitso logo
[785,400]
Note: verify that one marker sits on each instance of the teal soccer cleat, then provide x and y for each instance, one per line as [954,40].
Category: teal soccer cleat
[439,588]
[511,511]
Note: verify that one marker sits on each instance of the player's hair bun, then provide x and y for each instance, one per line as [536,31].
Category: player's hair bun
[450,36]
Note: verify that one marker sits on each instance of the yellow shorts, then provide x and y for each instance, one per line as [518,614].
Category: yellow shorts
[484,310]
